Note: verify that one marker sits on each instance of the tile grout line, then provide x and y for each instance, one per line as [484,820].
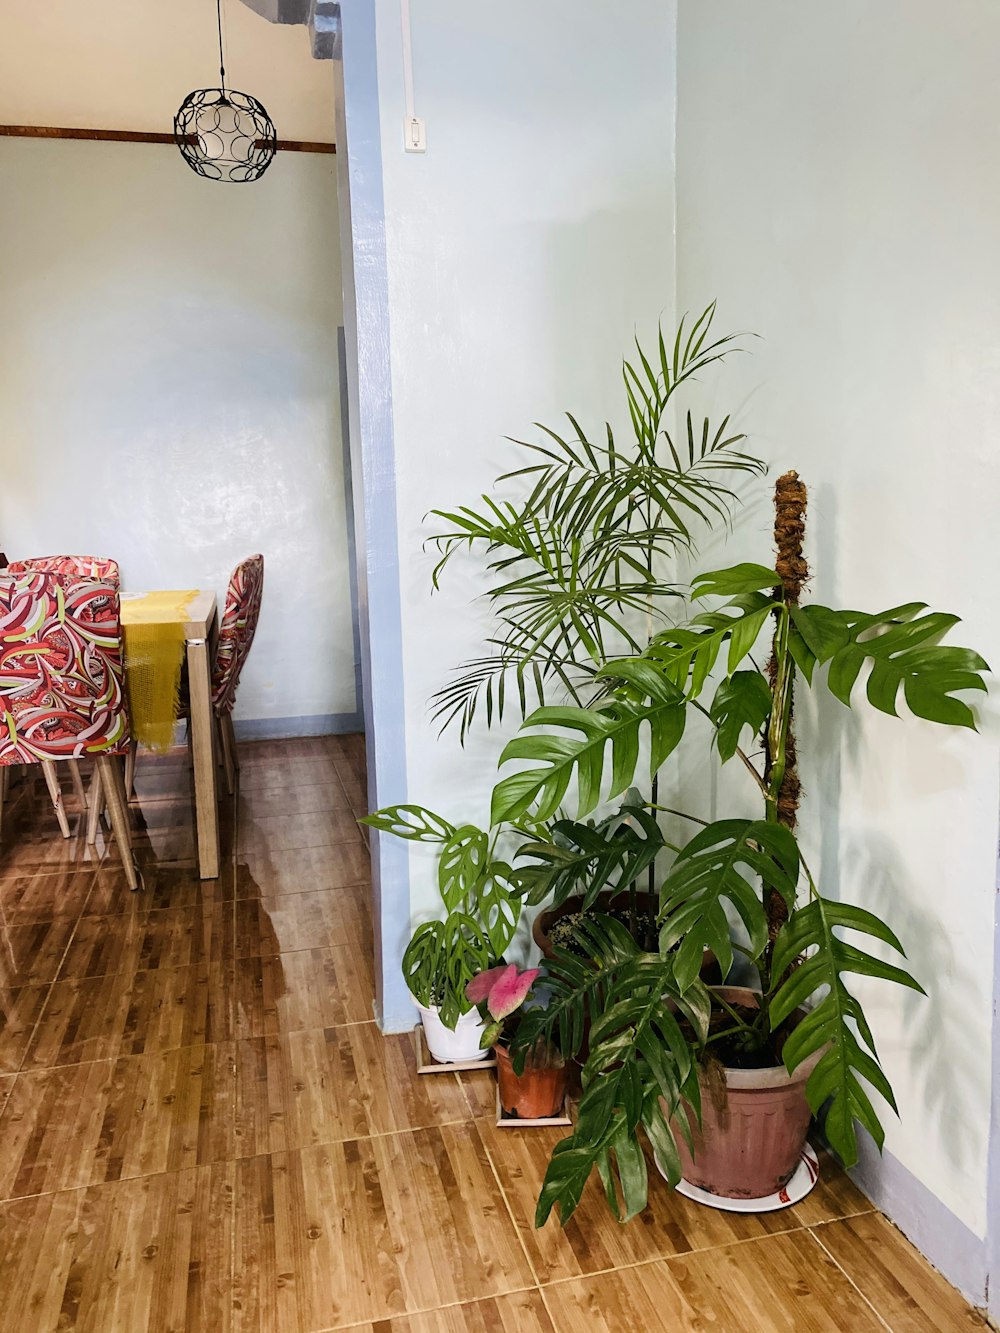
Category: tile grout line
[840,1267]
[681,1255]
[51,984]
[424,1310]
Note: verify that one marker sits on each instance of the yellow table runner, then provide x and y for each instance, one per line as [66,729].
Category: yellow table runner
[153,626]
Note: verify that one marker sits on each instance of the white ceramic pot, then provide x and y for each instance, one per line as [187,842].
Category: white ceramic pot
[447,1046]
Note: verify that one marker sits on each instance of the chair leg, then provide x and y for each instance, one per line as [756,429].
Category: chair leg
[130,770]
[95,804]
[114,789]
[226,736]
[74,771]
[52,782]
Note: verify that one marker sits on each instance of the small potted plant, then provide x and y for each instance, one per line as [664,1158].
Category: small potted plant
[482,907]
[502,994]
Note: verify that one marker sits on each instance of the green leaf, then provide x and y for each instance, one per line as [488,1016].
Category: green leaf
[722,863]
[578,987]
[616,727]
[743,700]
[412,822]
[736,579]
[901,647]
[823,630]
[496,899]
[589,860]
[638,1054]
[823,960]
[462,863]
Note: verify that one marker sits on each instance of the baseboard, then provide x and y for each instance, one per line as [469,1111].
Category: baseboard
[955,1251]
[280,728]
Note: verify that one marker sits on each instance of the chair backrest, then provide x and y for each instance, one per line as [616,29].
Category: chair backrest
[82,566]
[61,681]
[239,624]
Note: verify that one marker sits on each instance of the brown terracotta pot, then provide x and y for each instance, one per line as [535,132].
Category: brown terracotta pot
[646,902]
[537,1094]
[750,1147]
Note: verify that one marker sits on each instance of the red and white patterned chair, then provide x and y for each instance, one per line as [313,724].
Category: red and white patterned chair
[236,634]
[62,694]
[80,566]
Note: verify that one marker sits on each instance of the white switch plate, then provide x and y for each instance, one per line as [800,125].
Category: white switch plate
[414,135]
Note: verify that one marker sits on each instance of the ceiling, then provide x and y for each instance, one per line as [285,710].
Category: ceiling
[128,64]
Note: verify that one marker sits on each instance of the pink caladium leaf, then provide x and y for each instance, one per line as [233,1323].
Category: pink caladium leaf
[480,986]
[509,991]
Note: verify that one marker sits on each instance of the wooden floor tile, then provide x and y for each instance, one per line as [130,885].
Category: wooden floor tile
[19,1012]
[163,886]
[149,1254]
[44,896]
[333,919]
[593,1240]
[133,1013]
[168,937]
[31,955]
[328,1084]
[82,1021]
[909,1295]
[281,770]
[775,1285]
[522,1312]
[299,870]
[30,845]
[108,1120]
[280,833]
[264,802]
[310,988]
[365,1230]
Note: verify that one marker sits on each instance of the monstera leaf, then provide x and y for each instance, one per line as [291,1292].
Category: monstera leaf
[463,862]
[828,1027]
[616,728]
[412,822]
[742,700]
[725,862]
[901,646]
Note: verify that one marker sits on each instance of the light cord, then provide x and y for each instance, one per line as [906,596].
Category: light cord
[222,61]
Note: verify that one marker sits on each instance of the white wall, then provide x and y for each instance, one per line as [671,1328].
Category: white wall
[524,250]
[169,390]
[838,191]
[128,64]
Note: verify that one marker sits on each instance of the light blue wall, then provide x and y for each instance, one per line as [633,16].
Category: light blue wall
[508,268]
[838,191]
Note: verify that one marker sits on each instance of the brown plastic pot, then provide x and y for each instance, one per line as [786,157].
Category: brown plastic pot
[537,1094]
[645,902]
[749,1147]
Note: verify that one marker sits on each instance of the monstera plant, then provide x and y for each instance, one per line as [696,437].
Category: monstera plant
[740,886]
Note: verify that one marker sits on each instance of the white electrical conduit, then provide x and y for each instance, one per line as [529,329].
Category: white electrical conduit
[414,139]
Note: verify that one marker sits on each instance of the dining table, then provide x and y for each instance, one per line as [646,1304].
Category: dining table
[188,619]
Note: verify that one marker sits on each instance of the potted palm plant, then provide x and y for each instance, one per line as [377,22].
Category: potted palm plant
[538,1090]
[481,909]
[580,572]
[669,1058]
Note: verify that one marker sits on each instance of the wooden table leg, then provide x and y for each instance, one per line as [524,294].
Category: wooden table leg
[206,796]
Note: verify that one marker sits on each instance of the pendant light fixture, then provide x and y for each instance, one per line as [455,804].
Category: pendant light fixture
[225,135]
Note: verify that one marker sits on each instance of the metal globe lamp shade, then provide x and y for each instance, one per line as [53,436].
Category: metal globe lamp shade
[225,135]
